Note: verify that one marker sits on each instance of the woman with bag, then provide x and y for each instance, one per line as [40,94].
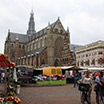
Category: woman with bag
[99,80]
[87,80]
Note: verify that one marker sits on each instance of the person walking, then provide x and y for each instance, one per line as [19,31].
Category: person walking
[86,79]
[67,75]
[3,76]
[76,78]
[99,80]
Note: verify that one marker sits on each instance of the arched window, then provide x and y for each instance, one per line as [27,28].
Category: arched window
[61,31]
[40,43]
[56,30]
[12,45]
[37,45]
[23,47]
[19,46]
[45,41]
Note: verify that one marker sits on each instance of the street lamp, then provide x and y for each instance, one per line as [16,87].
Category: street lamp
[37,53]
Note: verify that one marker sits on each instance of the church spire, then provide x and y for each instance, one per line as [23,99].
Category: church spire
[31,25]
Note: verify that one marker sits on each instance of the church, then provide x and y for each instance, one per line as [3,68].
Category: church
[49,46]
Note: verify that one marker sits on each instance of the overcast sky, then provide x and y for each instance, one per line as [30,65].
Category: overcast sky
[85,18]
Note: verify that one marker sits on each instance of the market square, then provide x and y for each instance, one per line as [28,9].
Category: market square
[51,52]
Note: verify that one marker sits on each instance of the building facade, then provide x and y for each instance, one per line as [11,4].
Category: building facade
[37,48]
[91,55]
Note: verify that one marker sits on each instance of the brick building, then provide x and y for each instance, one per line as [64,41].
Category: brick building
[37,48]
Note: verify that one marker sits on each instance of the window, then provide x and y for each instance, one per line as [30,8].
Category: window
[53,71]
[56,30]
[19,46]
[40,43]
[23,47]
[45,41]
[58,71]
[100,53]
[61,31]
[12,45]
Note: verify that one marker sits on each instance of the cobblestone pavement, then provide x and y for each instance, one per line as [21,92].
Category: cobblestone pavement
[52,95]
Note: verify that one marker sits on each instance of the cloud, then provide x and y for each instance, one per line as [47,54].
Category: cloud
[85,18]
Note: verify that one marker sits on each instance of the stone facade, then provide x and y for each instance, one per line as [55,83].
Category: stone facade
[91,55]
[37,48]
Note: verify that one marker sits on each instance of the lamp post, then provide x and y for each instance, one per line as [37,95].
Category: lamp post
[37,64]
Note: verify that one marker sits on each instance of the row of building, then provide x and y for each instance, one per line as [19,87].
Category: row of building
[51,46]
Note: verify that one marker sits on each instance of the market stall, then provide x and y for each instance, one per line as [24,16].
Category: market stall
[7,71]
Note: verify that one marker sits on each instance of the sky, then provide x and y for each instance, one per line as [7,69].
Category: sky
[85,18]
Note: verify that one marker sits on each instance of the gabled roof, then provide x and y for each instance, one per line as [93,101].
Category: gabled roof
[25,38]
[21,37]
[43,31]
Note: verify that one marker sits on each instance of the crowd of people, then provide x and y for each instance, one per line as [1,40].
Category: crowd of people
[96,79]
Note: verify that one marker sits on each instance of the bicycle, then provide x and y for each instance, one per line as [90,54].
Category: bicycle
[84,88]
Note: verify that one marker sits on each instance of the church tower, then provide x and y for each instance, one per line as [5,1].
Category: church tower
[31,25]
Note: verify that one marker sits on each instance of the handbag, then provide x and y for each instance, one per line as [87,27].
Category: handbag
[96,88]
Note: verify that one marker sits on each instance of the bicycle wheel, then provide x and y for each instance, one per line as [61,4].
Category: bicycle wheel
[82,98]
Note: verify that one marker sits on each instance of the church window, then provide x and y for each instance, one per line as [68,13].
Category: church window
[37,45]
[56,30]
[12,45]
[45,41]
[41,43]
[61,31]
[13,55]
[27,48]
[19,46]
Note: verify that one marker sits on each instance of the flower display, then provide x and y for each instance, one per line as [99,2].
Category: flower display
[1,100]
[13,99]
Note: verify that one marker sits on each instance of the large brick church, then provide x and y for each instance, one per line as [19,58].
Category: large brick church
[42,47]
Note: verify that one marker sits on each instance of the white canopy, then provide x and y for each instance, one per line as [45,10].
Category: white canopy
[66,67]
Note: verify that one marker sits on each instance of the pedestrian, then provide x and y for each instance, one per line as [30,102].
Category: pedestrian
[67,75]
[99,80]
[76,78]
[0,77]
[3,76]
[87,80]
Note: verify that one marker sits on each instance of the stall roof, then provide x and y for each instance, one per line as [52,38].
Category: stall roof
[95,69]
[37,69]
[71,67]
[66,67]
